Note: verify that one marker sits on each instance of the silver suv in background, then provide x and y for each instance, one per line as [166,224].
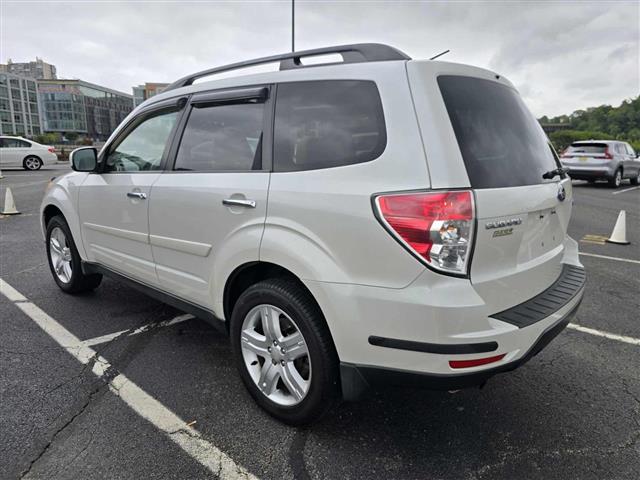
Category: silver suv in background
[376,221]
[602,160]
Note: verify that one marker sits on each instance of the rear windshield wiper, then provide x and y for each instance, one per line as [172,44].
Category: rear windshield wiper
[552,173]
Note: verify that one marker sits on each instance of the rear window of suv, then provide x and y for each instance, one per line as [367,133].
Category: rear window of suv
[501,143]
[329,123]
[587,148]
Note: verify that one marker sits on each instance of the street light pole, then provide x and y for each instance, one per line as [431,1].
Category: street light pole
[293,25]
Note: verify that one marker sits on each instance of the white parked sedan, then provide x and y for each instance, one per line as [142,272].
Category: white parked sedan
[20,152]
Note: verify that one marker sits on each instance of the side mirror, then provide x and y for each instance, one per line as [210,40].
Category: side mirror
[84,159]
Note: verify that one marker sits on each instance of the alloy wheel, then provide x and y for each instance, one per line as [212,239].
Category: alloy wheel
[276,355]
[60,255]
[32,163]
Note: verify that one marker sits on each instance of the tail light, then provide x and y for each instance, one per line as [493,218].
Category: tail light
[437,227]
[607,155]
[51,149]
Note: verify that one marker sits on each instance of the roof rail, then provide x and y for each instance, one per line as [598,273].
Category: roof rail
[356,53]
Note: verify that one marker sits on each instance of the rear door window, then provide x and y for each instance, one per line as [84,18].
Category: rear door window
[222,138]
[324,124]
[501,142]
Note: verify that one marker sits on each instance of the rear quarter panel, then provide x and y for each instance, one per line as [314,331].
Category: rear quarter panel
[320,223]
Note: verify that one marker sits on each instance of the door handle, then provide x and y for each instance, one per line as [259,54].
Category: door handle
[239,202]
[140,195]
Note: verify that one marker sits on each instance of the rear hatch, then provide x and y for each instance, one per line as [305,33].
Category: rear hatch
[521,217]
[587,154]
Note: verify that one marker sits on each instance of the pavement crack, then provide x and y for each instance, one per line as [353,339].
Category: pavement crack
[296,455]
[62,428]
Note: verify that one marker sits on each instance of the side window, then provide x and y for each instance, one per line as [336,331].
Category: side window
[620,148]
[630,150]
[143,147]
[12,143]
[331,123]
[23,144]
[222,138]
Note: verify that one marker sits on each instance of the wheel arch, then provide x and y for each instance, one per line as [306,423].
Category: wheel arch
[249,274]
[59,200]
[48,213]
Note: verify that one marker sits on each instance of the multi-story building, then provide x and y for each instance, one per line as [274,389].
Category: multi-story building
[19,106]
[37,69]
[148,90]
[82,107]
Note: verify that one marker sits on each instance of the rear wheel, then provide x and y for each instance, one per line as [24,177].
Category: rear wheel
[636,180]
[64,260]
[32,163]
[284,351]
[616,180]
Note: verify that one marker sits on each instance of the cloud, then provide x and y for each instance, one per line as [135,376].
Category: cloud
[562,56]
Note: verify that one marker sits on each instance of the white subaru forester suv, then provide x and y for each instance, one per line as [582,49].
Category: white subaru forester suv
[375,221]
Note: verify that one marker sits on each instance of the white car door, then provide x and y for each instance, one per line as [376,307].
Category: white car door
[114,204]
[13,152]
[207,214]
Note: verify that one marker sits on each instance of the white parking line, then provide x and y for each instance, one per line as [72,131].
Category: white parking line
[187,438]
[151,326]
[600,333]
[617,259]
[625,190]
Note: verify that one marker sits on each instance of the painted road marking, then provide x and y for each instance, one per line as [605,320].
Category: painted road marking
[597,239]
[187,438]
[600,333]
[150,326]
[617,259]
[28,184]
[625,190]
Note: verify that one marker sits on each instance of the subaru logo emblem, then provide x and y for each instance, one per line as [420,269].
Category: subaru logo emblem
[562,194]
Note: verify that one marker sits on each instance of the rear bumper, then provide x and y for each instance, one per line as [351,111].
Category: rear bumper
[357,379]
[590,173]
[415,332]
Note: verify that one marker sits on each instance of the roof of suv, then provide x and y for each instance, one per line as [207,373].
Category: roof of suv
[354,53]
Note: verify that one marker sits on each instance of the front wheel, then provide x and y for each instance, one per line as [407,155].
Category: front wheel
[32,163]
[64,259]
[616,180]
[636,180]
[284,351]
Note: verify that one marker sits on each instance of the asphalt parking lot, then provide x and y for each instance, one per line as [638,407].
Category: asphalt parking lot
[165,401]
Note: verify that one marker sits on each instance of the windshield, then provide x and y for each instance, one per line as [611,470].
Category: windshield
[501,142]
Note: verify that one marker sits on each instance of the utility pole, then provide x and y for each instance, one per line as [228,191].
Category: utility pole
[293,25]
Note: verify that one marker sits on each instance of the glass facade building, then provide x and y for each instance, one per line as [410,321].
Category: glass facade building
[19,106]
[81,107]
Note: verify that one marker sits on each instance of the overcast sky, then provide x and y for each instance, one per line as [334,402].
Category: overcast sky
[562,56]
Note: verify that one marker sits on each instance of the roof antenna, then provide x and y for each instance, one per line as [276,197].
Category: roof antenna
[440,54]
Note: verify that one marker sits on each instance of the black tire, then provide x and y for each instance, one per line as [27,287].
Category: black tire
[616,180]
[635,180]
[296,302]
[79,282]
[32,160]
[591,181]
